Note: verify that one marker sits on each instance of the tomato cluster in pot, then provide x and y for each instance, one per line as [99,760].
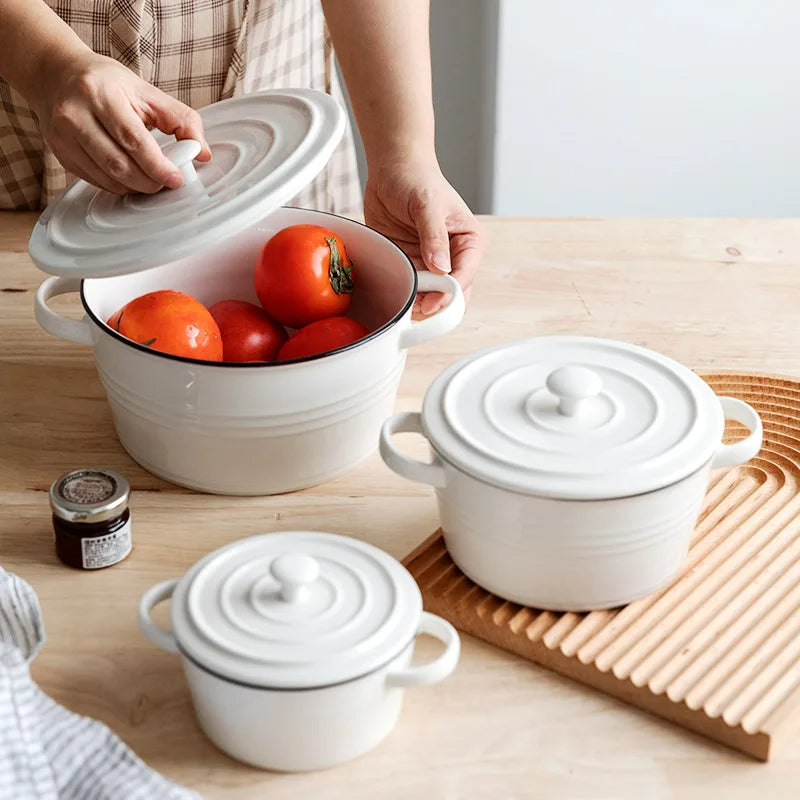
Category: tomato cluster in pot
[304,281]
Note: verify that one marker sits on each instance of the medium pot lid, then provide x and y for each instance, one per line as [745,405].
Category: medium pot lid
[573,418]
[295,610]
[266,147]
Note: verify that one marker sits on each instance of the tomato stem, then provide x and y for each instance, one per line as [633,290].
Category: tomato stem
[148,342]
[339,273]
[119,320]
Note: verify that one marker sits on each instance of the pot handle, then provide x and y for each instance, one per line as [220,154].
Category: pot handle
[152,597]
[397,461]
[72,330]
[729,455]
[443,321]
[438,669]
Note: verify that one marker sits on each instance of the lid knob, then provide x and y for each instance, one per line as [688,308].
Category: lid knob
[182,153]
[294,572]
[574,386]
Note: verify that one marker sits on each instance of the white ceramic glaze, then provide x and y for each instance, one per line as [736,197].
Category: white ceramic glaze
[567,553]
[295,610]
[278,723]
[261,429]
[299,731]
[266,147]
[573,417]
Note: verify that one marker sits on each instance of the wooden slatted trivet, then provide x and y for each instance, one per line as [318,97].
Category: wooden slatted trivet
[717,651]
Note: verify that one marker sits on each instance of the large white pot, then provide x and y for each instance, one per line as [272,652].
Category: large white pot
[297,646]
[234,428]
[266,428]
[570,472]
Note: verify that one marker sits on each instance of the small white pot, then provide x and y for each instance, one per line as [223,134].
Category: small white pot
[244,429]
[305,670]
[255,429]
[570,489]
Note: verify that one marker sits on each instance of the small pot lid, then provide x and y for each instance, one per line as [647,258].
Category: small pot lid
[295,610]
[266,147]
[573,418]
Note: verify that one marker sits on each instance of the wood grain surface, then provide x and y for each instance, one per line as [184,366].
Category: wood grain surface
[716,650]
[713,294]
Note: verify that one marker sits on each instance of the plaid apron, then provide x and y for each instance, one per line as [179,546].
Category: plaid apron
[199,51]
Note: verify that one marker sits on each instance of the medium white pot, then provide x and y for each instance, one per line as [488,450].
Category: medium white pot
[249,429]
[296,646]
[570,489]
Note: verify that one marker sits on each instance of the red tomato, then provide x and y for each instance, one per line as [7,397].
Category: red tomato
[322,336]
[171,322]
[248,332]
[113,320]
[303,274]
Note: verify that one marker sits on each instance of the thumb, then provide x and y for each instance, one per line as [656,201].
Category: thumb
[434,241]
[171,116]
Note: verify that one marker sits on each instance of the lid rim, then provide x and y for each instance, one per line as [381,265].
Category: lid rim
[304,688]
[565,498]
[87,517]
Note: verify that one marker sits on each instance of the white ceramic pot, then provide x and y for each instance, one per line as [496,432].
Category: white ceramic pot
[297,646]
[570,472]
[234,428]
[266,428]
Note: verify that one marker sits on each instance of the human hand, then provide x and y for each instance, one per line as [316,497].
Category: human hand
[411,202]
[95,115]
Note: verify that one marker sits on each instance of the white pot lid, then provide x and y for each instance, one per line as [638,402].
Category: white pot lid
[266,147]
[573,418]
[295,610]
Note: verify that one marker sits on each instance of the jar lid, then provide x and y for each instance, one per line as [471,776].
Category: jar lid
[89,495]
[295,610]
[573,418]
[266,147]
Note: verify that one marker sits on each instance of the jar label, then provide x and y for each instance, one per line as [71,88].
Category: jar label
[87,487]
[103,551]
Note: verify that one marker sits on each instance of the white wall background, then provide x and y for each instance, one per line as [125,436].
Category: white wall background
[662,108]
[620,107]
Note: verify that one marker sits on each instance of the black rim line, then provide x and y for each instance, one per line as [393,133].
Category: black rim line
[246,685]
[263,364]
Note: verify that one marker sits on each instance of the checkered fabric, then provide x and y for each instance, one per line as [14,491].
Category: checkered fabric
[199,51]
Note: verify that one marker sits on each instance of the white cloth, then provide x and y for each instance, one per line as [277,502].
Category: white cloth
[46,751]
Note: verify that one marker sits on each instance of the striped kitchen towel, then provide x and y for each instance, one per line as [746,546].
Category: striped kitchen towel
[47,752]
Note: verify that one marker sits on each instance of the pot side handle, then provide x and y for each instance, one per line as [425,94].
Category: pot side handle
[72,330]
[729,455]
[152,597]
[443,321]
[438,669]
[397,461]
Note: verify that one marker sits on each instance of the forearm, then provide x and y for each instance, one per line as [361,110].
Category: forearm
[33,40]
[384,50]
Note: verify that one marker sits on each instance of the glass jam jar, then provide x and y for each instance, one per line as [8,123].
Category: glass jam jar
[91,518]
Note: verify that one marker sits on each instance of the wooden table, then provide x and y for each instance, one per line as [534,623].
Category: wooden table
[709,293]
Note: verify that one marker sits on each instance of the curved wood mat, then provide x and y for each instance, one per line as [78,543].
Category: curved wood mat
[717,651]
